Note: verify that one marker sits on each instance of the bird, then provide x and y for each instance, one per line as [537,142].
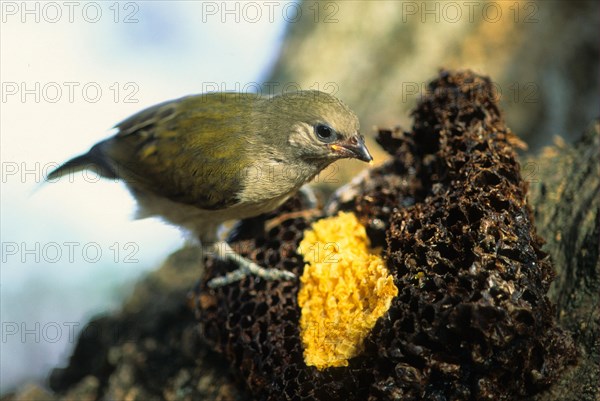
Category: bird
[202,160]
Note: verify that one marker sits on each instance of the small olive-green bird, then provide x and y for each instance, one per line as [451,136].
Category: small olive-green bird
[205,159]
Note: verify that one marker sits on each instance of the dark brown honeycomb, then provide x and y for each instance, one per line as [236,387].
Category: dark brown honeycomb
[471,320]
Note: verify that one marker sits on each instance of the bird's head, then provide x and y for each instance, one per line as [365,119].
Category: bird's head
[320,128]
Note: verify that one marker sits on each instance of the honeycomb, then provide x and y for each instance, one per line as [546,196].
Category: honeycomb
[471,320]
[344,289]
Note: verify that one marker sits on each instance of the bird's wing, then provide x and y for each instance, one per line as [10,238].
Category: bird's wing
[188,150]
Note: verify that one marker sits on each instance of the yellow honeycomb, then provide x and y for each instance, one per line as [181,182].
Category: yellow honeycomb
[344,289]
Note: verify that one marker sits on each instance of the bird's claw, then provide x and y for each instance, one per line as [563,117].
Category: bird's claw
[246,268]
[242,272]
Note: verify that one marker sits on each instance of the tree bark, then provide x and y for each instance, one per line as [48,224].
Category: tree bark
[565,195]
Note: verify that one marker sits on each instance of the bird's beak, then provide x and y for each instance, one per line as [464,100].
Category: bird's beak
[353,148]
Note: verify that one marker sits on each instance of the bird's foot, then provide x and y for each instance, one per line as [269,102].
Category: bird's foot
[246,268]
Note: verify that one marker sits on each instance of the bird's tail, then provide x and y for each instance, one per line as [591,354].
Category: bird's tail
[92,160]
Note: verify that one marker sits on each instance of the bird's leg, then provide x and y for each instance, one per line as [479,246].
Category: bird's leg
[310,196]
[246,267]
[276,221]
[312,209]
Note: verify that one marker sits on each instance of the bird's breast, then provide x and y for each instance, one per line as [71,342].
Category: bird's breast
[271,184]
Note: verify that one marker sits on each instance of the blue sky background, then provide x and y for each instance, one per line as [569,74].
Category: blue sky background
[52,278]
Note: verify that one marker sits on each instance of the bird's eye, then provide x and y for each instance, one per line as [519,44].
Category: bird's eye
[325,133]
